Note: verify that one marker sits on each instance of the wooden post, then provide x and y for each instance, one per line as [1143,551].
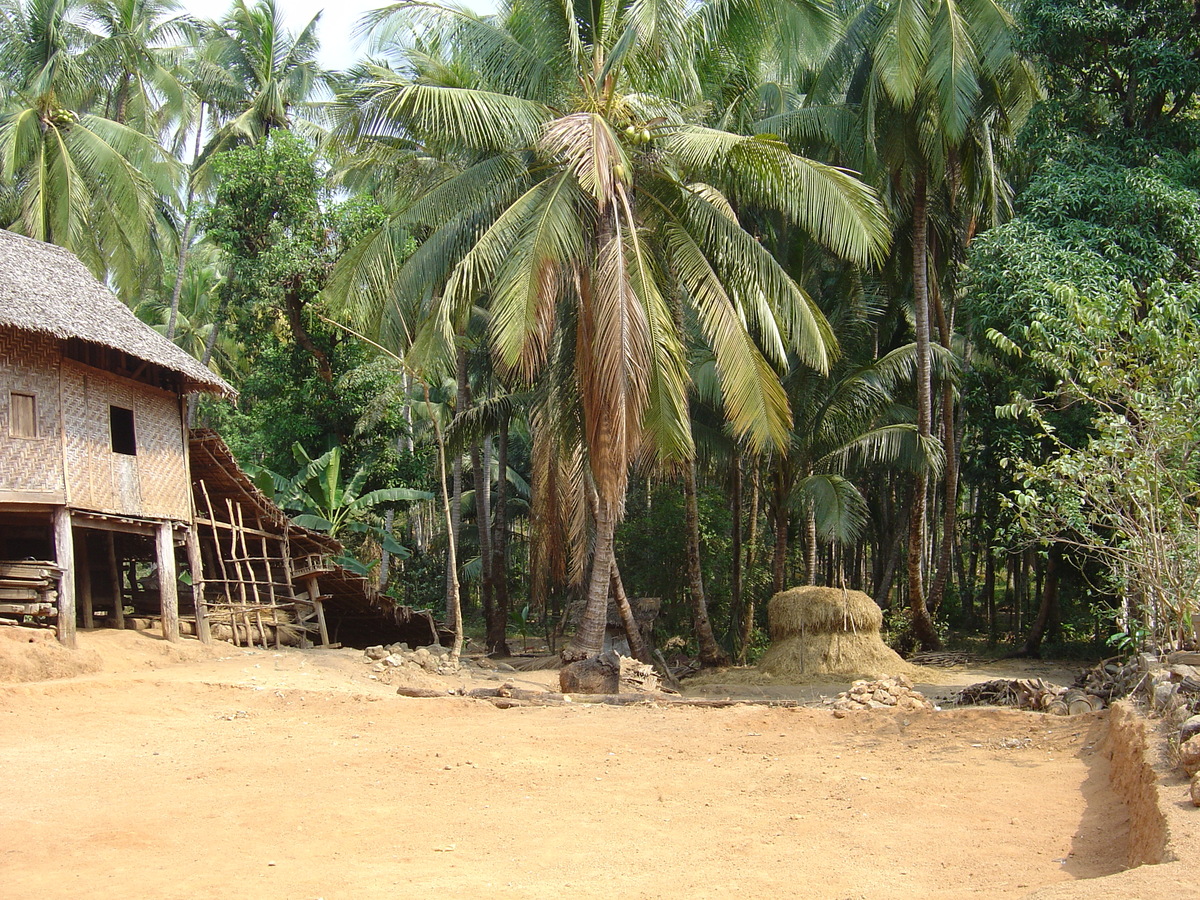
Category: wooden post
[64,555]
[114,574]
[167,581]
[314,597]
[320,606]
[83,569]
[196,566]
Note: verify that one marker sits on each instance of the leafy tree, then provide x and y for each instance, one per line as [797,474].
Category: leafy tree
[1127,492]
[1136,62]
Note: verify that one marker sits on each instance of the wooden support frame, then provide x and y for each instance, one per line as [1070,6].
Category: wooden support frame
[168,585]
[196,567]
[64,556]
[83,579]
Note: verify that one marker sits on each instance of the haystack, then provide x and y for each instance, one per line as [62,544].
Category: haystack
[827,631]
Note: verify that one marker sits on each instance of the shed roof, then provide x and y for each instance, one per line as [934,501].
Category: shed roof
[46,289]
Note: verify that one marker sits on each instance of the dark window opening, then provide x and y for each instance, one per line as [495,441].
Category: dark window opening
[22,415]
[120,423]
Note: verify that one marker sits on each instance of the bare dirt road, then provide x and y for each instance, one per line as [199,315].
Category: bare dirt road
[180,774]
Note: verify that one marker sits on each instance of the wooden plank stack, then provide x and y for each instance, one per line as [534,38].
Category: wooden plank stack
[29,587]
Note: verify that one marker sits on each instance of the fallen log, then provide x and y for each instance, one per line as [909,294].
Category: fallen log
[422,693]
[507,696]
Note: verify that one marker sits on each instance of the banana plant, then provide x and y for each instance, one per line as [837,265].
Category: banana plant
[322,501]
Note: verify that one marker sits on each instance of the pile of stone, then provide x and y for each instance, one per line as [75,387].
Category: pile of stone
[1189,753]
[1171,686]
[431,660]
[892,692]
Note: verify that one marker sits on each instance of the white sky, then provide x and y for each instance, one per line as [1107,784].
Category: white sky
[339,49]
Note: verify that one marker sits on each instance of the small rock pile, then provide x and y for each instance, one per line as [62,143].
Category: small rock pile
[884,693]
[431,660]
[1189,754]
[1171,686]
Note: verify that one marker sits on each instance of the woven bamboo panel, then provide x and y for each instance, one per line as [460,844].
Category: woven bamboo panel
[29,364]
[153,483]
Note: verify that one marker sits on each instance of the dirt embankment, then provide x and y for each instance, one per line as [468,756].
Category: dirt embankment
[295,775]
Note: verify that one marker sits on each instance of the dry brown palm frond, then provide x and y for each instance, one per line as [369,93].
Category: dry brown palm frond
[585,142]
[614,353]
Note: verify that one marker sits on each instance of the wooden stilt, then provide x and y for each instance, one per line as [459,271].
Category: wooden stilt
[64,556]
[320,607]
[196,566]
[83,573]
[114,576]
[167,581]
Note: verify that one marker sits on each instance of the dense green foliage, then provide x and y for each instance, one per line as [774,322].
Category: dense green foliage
[608,256]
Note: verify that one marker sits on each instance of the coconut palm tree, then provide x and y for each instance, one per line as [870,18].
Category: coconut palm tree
[263,73]
[138,46]
[78,179]
[940,84]
[590,201]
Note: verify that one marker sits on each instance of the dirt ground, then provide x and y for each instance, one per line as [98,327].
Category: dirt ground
[192,772]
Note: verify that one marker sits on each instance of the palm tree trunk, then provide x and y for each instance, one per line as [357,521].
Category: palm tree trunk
[632,633]
[453,601]
[922,623]
[710,652]
[497,641]
[810,547]
[209,344]
[589,637]
[185,240]
[385,558]
[453,591]
[736,612]
[779,562]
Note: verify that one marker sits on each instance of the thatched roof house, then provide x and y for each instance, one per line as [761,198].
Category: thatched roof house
[93,448]
[100,485]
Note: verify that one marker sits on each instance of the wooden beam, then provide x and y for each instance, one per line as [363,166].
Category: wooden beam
[168,588]
[196,567]
[64,556]
[257,532]
[111,523]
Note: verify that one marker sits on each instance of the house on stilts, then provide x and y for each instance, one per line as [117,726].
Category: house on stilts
[100,509]
[93,450]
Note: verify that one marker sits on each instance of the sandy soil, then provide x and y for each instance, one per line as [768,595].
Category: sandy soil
[225,773]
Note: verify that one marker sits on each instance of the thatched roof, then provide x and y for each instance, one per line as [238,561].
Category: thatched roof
[822,610]
[46,289]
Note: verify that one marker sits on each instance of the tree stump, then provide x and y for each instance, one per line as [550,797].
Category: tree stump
[595,675]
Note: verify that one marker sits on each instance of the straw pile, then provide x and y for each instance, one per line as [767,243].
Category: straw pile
[817,631]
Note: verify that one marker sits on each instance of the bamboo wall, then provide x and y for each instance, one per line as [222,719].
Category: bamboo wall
[151,484]
[71,459]
[31,469]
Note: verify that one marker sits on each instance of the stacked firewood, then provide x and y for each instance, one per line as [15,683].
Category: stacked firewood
[1029,693]
[1111,679]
